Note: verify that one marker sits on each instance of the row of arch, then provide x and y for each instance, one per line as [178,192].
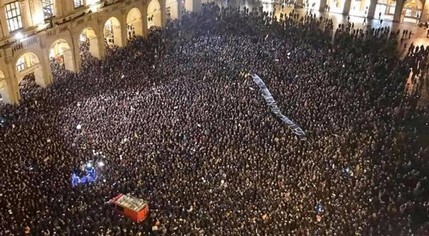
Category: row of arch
[381,8]
[61,50]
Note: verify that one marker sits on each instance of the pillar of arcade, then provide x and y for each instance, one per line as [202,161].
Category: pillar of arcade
[322,6]
[43,76]
[371,9]
[193,5]
[347,6]
[398,11]
[10,91]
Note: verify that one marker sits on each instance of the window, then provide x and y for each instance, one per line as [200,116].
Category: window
[20,64]
[78,3]
[13,16]
[48,8]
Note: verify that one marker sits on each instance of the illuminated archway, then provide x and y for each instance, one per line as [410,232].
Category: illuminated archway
[173,9]
[134,23]
[88,42]
[154,14]
[61,53]
[335,6]
[3,92]
[412,9]
[112,32]
[360,7]
[313,5]
[27,64]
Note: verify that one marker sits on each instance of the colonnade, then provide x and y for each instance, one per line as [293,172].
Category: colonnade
[111,26]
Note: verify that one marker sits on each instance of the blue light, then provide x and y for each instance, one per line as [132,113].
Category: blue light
[319,208]
[89,177]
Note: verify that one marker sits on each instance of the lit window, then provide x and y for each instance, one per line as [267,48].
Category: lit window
[13,16]
[48,8]
[78,3]
[20,64]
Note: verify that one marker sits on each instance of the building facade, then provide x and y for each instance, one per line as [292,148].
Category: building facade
[34,33]
[396,10]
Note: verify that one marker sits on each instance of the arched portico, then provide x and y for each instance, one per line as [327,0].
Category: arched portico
[112,32]
[88,42]
[61,53]
[192,5]
[335,6]
[4,95]
[134,23]
[154,14]
[412,9]
[174,9]
[29,63]
[360,7]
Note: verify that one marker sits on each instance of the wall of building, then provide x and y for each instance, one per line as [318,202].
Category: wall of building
[39,38]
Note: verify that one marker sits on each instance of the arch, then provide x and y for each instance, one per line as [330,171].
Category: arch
[29,63]
[172,8]
[360,7]
[335,6]
[88,43]
[313,5]
[3,92]
[134,23]
[112,32]
[413,4]
[154,14]
[412,9]
[61,53]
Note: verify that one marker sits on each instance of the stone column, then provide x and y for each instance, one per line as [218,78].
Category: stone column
[322,5]
[346,7]
[398,11]
[163,9]
[3,22]
[120,34]
[425,13]
[96,46]
[144,21]
[43,74]
[59,8]
[8,92]
[371,9]
[193,5]
[12,86]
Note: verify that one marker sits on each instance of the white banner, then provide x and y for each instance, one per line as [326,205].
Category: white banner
[275,109]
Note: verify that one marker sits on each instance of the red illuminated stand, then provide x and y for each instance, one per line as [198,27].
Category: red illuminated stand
[134,208]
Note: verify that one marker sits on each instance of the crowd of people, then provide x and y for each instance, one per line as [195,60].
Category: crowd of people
[177,121]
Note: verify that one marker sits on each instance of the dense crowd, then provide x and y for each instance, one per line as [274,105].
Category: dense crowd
[177,121]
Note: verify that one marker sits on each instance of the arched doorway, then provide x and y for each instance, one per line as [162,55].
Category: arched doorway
[3,94]
[335,6]
[112,32]
[412,9]
[61,54]
[29,70]
[134,23]
[88,43]
[359,7]
[312,5]
[172,9]
[154,14]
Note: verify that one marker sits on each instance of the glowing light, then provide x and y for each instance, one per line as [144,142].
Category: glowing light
[19,36]
[39,18]
[100,164]
[89,165]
